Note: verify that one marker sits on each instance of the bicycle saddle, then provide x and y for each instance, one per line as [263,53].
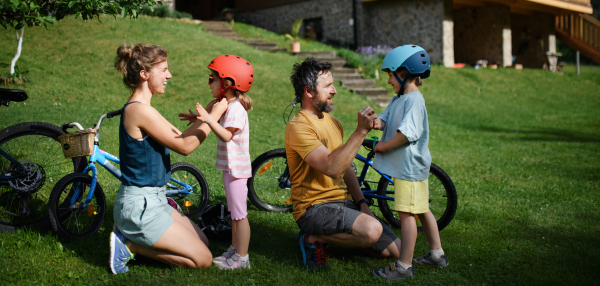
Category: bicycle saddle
[8,95]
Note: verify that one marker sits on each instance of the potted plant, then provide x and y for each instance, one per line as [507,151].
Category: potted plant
[295,36]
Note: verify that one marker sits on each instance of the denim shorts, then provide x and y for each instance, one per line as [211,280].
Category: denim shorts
[142,214]
[337,217]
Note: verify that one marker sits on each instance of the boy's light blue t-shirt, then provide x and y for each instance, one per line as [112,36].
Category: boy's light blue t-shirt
[411,161]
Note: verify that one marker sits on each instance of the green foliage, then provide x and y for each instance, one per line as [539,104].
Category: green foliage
[29,13]
[295,30]
[163,11]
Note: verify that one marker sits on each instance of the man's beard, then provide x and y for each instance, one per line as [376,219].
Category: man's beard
[322,105]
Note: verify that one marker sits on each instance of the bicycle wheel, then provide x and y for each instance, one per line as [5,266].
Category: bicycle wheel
[73,220]
[269,186]
[194,203]
[442,199]
[24,201]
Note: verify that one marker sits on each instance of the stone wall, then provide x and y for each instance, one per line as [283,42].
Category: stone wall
[395,23]
[335,17]
[533,36]
[480,34]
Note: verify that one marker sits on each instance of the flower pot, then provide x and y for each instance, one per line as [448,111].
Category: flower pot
[295,48]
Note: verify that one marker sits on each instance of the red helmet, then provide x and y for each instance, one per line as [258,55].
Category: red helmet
[236,68]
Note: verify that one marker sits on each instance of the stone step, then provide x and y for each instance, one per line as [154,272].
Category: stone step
[369,90]
[262,44]
[337,62]
[250,41]
[225,34]
[382,100]
[272,49]
[218,28]
[342,76]
[354,83]
[343,70]
[317,55]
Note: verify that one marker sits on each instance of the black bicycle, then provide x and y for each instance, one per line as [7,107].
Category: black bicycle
[31,162]
[269,187]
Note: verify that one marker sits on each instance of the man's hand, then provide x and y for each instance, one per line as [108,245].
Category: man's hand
[366,116]
[365,209]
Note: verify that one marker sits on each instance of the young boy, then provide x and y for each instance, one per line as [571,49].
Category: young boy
[404,155]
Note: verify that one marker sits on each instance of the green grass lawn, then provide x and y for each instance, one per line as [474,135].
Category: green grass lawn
[522,148]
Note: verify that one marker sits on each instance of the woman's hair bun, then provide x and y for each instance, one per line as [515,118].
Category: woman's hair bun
[124,51]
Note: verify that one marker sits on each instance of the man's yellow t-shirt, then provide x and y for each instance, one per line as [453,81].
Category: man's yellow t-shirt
[303,134]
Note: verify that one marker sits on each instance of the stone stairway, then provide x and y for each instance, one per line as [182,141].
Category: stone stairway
[223,29]
[348,77]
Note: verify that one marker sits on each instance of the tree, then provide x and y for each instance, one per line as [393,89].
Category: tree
[18,14]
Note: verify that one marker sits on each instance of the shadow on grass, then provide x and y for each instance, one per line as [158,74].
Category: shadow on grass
[542,134]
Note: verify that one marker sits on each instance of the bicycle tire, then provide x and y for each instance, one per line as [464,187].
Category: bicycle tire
[443,199]
[76,222]
[189,174]
[264,187]
[37,144]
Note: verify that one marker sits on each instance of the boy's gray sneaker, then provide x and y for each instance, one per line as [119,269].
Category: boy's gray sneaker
[393,272]
[427,259]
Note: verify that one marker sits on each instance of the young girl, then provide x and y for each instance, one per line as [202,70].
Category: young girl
[403,153]
[231,77]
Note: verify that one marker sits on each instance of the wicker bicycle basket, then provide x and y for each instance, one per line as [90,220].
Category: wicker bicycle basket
[79,143]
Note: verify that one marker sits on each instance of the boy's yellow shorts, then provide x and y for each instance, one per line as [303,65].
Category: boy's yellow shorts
[411,196]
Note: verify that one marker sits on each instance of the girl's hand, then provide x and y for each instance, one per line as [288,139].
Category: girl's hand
[379,147]
[202,113]
[210,105]
[191,117]
[219,108]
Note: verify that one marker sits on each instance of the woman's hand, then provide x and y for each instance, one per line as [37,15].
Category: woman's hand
[191,117]
[202,113]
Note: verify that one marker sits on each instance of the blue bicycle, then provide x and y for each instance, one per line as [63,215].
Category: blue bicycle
[31,162]
[77,204]
[269,187]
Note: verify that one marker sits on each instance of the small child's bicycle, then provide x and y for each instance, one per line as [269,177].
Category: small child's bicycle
[77,204]
[269,187]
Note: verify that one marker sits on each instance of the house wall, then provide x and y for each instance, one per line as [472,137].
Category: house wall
[482,34]
[395,23]
[533,36]
[335,15]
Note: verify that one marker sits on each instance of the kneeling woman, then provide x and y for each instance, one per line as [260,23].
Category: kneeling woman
[144,223]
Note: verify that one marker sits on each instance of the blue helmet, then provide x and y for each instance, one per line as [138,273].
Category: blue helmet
[412,57]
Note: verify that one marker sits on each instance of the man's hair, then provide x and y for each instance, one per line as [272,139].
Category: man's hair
[307,74]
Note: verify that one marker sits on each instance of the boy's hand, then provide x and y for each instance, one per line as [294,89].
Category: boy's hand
[202,113]
[379,147]
[377,124]
[219,108]
[191,117]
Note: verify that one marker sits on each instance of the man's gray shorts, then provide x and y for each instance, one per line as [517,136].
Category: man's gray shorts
[337,217]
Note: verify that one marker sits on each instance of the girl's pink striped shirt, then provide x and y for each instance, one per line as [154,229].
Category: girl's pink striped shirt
[234,156]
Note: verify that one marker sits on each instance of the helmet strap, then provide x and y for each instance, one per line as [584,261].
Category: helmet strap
[223,89]
[402,83]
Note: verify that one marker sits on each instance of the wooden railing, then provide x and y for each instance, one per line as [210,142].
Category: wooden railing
[581,32]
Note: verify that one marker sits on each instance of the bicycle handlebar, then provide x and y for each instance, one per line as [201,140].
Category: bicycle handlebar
[97,127]
[114,113]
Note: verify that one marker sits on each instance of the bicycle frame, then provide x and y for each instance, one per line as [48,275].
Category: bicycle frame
[5,176]
[368,162]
